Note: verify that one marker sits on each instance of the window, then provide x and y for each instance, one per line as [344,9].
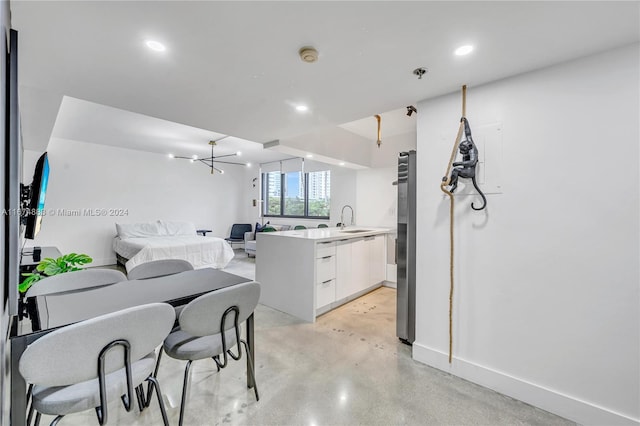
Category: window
[293,194]
[319,193]
[271,190]
[297,194]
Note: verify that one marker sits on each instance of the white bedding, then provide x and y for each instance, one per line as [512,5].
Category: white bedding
[199,251]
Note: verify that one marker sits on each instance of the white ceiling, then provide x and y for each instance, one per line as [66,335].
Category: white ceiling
[392,123]
[233,67]
[94,123]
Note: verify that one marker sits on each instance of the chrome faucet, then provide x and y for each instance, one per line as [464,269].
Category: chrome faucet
[342,216]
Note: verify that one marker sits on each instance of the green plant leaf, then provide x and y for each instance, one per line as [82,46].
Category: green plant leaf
[28,282]
[52,268]
[44,263]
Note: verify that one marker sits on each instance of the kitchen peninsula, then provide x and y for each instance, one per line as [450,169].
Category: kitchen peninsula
[308,272]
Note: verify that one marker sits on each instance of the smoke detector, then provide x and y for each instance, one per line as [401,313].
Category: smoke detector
[308,54]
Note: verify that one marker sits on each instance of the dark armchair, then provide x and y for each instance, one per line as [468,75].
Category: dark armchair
[237,233]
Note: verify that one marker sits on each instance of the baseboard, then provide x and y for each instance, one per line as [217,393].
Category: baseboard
[389,284]
[563,405]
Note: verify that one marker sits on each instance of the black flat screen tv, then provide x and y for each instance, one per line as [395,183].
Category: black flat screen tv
[38,193]
[12,178]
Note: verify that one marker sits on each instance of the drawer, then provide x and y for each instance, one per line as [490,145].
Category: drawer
[325,268]
[325,293]
[325,249]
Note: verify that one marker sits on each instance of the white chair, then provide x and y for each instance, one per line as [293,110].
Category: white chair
[209,328]
[85,365]
[159,268]
[49,293]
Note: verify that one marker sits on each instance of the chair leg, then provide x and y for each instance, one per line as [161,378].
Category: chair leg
[140,397]
[217,360]
[56,420]
[154,383]
[185,387]
[37,423]
[30,404]
[251,370]
[155,374]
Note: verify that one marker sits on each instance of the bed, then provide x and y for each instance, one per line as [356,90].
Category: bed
[139,243]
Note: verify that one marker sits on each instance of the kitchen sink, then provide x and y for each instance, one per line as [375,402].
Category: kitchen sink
[355,231]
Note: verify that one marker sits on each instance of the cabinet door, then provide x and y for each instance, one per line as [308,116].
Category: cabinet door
[343,269]
[377,259]
[359,264]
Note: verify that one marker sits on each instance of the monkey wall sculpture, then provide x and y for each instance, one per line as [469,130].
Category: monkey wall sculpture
[467,167]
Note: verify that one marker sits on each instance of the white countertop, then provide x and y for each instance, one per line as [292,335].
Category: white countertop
[330,234]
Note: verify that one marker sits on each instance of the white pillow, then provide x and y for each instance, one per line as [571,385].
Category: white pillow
[176,228]
[132,230]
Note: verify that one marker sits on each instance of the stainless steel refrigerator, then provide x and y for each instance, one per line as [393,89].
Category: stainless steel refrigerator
[406,247]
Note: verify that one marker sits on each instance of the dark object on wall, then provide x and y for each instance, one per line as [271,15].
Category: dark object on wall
[467,167]
[12,178]
[37,193]
[411,109]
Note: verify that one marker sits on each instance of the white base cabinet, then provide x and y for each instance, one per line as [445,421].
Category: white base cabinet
[306,278]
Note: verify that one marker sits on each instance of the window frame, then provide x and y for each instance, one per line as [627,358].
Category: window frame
[265,195]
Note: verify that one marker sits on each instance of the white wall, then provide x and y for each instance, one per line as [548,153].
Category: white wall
[547,277]
[377,197]
[333,142]
[387,154]
[149,186]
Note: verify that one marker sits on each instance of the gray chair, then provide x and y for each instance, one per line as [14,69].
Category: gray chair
[159,268]
[52,309]
[87,364]
[209,328]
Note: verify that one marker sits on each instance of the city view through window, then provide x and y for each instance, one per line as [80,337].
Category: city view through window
[288,194]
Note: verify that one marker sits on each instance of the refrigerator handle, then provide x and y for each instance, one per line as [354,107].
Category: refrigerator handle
[395,259]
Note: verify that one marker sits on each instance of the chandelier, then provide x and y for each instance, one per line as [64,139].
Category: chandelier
[213,159]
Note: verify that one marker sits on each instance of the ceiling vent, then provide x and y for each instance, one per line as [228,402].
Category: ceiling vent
[308,54]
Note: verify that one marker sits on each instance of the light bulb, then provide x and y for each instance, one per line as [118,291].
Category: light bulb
[464,50]
[155,45]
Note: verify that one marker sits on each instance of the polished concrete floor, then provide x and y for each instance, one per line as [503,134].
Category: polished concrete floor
[347,368]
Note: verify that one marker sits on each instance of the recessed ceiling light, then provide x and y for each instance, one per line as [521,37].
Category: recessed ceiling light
[155,45]
[172,156]
[239,153]
[463,50]
[302,108]
[342,164]
[309,155]
[248,164]
[195,157]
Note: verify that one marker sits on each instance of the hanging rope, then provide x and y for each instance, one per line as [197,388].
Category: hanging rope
[443,185]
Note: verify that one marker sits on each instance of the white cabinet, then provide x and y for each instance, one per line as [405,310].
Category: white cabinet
[360,264]
[325,268]
[377,259]
[325,273]
[325,293]
[307,274]
[343,269]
